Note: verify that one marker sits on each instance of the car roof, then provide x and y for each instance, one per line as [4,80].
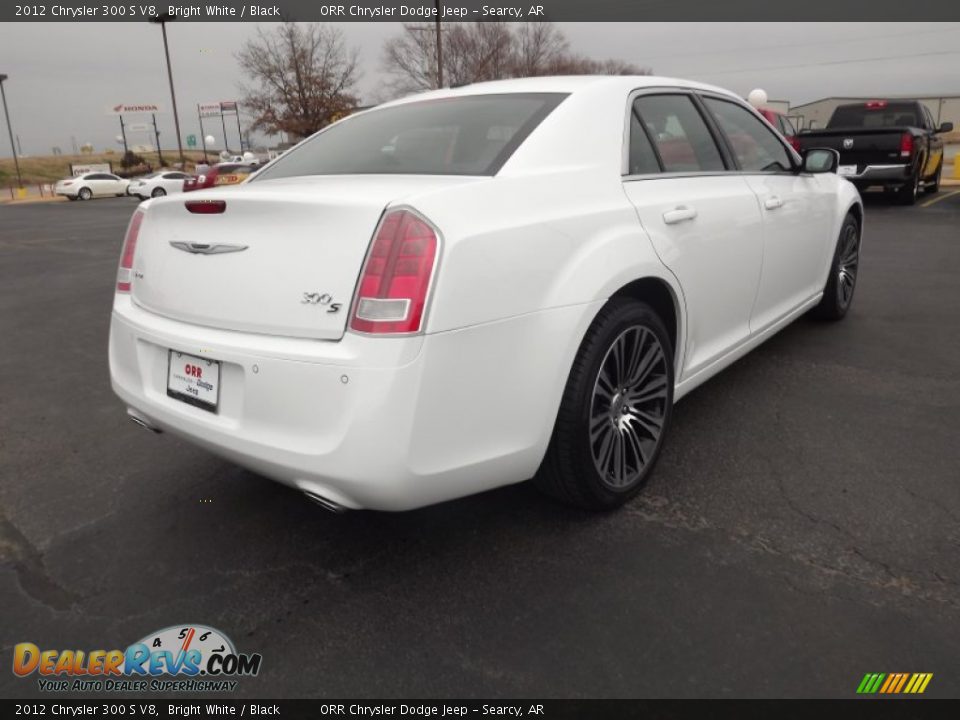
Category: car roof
[571,84]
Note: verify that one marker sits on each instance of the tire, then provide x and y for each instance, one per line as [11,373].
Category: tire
[907,195]
[84,194]
[158,192]
[934,186]
[71,198]
[844,268]
[606,442]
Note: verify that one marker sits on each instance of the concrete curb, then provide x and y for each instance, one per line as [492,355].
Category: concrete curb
[29,200]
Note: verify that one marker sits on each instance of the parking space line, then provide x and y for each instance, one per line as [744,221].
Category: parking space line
[937,199]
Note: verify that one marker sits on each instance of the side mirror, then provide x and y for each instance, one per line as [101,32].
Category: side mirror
[820,160]
[945,127]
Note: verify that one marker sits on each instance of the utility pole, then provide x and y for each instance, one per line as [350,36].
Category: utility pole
[203,138]
[162,20]
[6,114]
[156,134]
[123,134]
[438,4]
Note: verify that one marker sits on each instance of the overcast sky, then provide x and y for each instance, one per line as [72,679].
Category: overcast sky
[64,75]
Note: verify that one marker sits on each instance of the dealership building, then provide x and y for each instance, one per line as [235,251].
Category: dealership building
[944,108]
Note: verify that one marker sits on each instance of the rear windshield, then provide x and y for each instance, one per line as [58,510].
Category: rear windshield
[469,135]
[890,115]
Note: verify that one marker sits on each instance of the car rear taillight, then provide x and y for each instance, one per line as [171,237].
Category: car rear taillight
[906,145]
[126,255]
[395,280]
[876,104]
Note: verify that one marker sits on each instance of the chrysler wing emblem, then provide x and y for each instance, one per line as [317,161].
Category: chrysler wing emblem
[207,248]
[847,143]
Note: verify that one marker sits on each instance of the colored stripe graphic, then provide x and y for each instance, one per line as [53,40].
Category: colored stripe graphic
[894,683]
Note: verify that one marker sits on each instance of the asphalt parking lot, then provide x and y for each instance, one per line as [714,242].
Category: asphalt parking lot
[802,529]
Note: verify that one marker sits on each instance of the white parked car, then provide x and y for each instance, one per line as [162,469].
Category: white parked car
[91,185]
[430,299]
[158,184]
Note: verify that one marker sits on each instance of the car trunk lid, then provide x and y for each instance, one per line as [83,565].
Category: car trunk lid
[283,258]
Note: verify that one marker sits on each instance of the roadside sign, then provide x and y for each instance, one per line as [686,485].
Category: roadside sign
[76,169]
[191,140]
[138,127]
[228,106]
[209,109]
[133,108]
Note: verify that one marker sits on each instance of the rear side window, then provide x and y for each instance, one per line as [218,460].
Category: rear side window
[643,159]
[754,143]
[681,137]
[465,135]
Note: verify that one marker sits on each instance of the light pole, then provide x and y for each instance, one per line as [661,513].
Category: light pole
[16,161]
[162,20]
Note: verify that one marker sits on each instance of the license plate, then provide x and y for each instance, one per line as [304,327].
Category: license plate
[847,170]
[194,380]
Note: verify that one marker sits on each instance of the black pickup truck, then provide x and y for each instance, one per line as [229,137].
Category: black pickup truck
[891,143]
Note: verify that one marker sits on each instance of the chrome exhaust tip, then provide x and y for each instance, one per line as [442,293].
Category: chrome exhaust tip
[325,503]
[142,422]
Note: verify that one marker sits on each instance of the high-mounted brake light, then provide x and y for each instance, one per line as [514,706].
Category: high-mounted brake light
[126,255]
[906,145]
[876,104]
[395,279]
[206,207]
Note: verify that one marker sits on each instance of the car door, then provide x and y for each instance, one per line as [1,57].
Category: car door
[173,182]
[935,156]
[114,185]
[703,221]
[94,181]
[101,184]
[797,209]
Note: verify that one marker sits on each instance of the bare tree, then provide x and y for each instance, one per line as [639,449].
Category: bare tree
[572,64]
[478,51]
[540,45]
[411,59]
[303,76]
[474,52]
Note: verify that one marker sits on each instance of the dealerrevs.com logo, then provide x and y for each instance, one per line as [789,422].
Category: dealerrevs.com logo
[180,658]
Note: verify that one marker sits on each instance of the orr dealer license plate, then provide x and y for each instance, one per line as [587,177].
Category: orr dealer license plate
[194,380]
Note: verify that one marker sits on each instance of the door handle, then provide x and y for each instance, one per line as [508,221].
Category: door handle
[773,202]
[679,214]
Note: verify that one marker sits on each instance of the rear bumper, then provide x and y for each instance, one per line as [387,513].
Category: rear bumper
[387,424]
[895,174]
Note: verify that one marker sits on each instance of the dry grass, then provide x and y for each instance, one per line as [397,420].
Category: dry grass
[50,168]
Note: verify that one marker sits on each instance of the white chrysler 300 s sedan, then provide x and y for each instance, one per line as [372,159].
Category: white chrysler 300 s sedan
[477,286]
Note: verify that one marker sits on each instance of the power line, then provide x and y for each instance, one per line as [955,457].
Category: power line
[827,62]
[779,46]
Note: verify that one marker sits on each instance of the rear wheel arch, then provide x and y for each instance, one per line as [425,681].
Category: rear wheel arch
[660,296]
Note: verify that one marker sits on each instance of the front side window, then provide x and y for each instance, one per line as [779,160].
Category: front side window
[755,146]
[682,139]
[464,135]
